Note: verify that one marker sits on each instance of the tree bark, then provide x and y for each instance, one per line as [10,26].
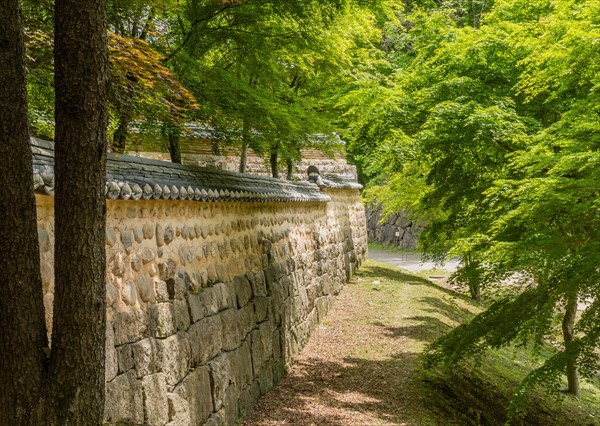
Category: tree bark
[120,136]
[174,147]
[245,144]
[475,290]
[568,329]
[75,391]
[244,157]
[273,160]
[290,169]
[22,326]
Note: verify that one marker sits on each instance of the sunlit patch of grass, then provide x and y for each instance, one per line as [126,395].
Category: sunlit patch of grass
[416,309]
[391,248]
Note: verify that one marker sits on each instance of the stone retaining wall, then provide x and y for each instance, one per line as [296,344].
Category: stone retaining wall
[209,301]
[399,230]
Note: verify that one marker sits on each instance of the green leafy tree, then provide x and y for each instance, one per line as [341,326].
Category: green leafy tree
[496,126]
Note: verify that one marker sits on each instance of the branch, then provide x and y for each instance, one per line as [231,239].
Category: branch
[193,26]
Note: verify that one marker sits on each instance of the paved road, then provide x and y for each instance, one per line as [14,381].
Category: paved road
[409,261]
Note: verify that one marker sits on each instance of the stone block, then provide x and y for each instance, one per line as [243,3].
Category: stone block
[278,369]
[224,273]
[221,378]
[111,366]
[262,346]
[183,253]
[241,364]
[148,231]
[129,293]
[261,309]
[179,410]
[111,294]
[147,356]
[146,289]
[147,256]
[196,307]
[138,234]
[111,237]
[203,231]
[198,230]
[156,404]
[259,283]
[265,378]
[127,240]
[269,273]
[169,234]
[125,358]
[247,399]
[277,344]
[211,273]
[246,319]
[196,389]
[202,277]
[205,338]
[186,232]
[162,319]
[243,291]
[322,304]
[176,357]
[130,326]
[161,290]
[166,270]
[124,400]
[181,315]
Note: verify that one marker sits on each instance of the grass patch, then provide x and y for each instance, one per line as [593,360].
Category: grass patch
[391,248]
[469,394]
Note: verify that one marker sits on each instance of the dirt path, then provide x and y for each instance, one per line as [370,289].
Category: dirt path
[359,367]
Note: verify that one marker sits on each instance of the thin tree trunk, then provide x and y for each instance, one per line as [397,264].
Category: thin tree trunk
[290,169]
[475,290]
[244,157]
[174,147]
[245,144]
[75,391]
[568,329]
[273,160]
[474,285]
[22,326]
[120,136]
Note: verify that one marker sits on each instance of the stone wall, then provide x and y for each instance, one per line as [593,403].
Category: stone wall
[209,301]
[399,230]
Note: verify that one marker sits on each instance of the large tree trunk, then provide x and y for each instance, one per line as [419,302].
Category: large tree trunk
[22,327]
[568,329]
[174,147]
[75,392]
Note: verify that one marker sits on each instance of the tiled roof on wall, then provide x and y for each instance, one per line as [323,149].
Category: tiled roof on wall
[138,178]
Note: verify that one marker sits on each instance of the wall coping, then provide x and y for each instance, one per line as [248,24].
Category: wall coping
[135,178]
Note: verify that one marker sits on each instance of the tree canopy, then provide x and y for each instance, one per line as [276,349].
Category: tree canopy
[489,128]
[263,74]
